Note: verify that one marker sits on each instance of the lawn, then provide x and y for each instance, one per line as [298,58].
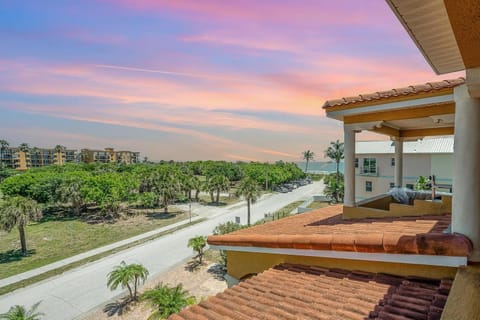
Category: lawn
[52,240]
[224,200]
[281,213]
[318,205]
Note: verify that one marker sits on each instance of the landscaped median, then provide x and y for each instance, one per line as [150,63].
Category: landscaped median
[53,241]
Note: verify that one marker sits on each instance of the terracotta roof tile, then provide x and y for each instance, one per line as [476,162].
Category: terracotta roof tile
[324,229]
[290,291]
[410,90]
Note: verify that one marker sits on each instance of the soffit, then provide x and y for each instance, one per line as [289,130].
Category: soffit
[428,24]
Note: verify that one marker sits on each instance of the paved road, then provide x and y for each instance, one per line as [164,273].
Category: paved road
[72,294]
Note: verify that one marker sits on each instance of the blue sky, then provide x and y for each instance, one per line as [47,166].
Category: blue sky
[187,80]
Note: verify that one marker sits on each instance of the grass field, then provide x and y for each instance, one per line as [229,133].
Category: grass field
[281,213]
[52,240]
[318,205]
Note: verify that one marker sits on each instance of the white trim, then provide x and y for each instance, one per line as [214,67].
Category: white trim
[422,259]
[392,105]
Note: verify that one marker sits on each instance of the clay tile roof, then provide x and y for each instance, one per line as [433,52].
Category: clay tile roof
[410,90]
[324,229]
[290,291]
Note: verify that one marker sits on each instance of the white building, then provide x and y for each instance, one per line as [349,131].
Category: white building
[375,165]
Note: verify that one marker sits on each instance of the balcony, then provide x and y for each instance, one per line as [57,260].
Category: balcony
[369,171]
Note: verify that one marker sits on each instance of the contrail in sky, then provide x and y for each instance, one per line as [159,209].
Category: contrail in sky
[171,73]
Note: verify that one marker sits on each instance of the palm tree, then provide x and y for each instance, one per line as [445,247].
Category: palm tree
[70,192]
[166,186]
[218,183]
[127,276]
[198,243]
[16,212]
[20,313]
[197,186]
[24,147]
[307,156]
[59,148]
[249,189]
[167,300]
[335,152]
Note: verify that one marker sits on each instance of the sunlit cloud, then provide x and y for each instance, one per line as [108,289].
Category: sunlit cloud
[188,79]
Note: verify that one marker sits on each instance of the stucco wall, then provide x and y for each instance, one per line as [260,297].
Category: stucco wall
[414,165]
[241,264]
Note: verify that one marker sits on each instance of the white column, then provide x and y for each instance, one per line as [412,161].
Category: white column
[349,171]
[466,173]
[399,162]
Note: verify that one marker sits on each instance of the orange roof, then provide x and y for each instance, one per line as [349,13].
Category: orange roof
[305,292]
[324,229]
[393,94]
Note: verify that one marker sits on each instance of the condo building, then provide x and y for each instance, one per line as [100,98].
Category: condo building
[21,158]
[109,155]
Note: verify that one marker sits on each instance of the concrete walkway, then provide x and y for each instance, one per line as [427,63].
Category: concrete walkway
[87,254]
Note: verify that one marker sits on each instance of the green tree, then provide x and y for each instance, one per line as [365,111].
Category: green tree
[167,300]
[166,185]
[197,185]
[335,152]
[16,212]
[21,313]
[307,156]
[70,192]
[334,190]
[250,191]
[127,276]
[217,184]
[198,244]
[24,147]
[423,183]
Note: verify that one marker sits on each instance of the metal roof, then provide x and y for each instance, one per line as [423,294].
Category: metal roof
[436,145]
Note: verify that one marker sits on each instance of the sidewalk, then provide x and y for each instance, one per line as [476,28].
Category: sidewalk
[67,261]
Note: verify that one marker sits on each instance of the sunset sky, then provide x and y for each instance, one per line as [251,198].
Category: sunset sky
[193,80]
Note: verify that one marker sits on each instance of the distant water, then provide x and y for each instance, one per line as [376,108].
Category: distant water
[320,167]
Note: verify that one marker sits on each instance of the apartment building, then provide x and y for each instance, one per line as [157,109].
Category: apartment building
[109,155]
[25,158]
[375,165]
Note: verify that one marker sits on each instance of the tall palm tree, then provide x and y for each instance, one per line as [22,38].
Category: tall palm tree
[59,148]
[24,147]
[20,313]
[335,152]
[248,189]
[166,186]
[127,276]
[218,183]
[307,156]
[16,212]
[197,185]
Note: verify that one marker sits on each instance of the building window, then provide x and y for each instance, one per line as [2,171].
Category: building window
[369,167]
[409,186]
[368,186]
[392,185]
[392,162]
[356,162]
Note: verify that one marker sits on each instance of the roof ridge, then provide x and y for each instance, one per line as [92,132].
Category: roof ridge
[409,90]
